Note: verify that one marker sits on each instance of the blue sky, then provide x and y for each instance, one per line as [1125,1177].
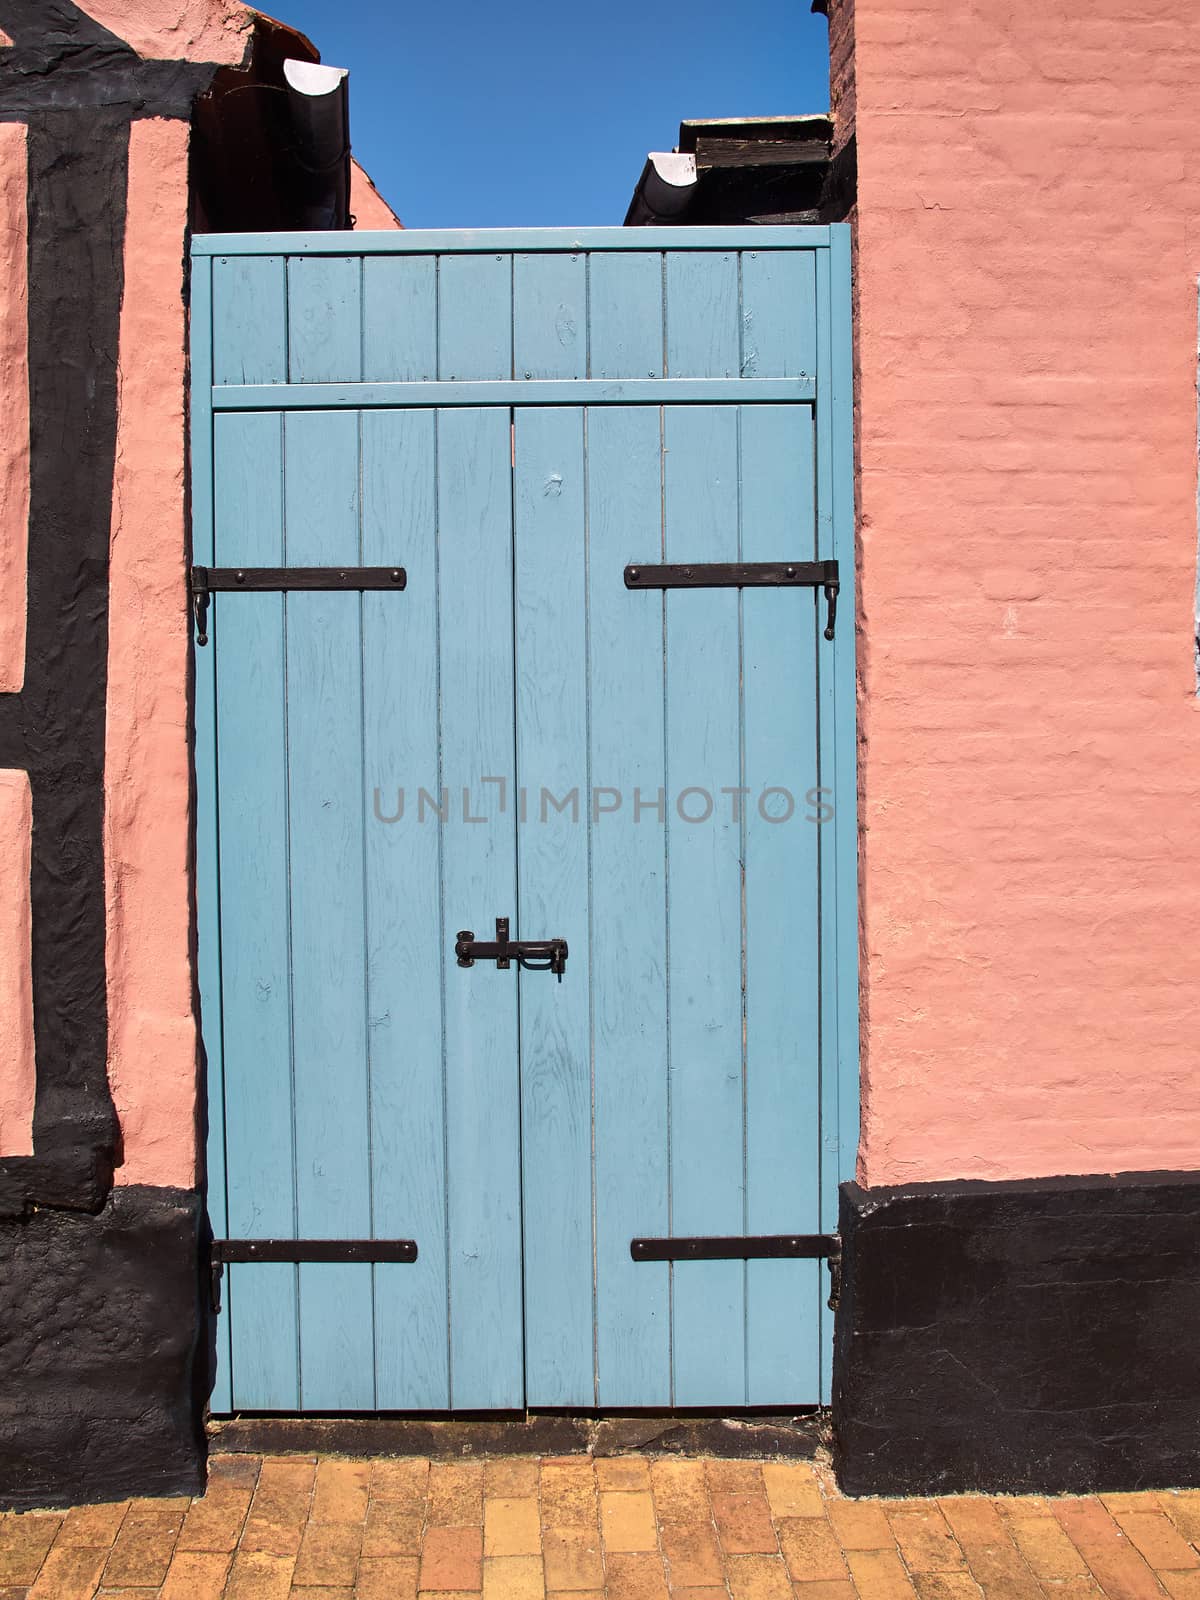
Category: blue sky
[539,114]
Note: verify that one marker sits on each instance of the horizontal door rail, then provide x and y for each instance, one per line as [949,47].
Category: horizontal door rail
[523,241]
[506,392]
[737,1247]
[222,1251]
[206,581]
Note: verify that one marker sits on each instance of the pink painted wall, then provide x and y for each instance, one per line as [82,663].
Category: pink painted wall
[178,30]
[17,1074]
[14,405]
[367,206]
[1028,245]
[152,1032]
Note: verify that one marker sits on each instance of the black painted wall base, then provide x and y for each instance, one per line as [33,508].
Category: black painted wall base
[1037,1335]
[99,1334]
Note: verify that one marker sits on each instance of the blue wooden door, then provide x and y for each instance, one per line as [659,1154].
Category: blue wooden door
[661,777]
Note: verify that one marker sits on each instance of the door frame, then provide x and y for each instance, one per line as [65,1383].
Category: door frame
[833,416]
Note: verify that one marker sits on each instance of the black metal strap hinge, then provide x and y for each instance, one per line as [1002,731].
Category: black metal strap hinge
[340,1250]
[207,581]
[743,575]
[750,1247]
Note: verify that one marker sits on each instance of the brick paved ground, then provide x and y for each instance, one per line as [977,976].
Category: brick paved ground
[626,1527]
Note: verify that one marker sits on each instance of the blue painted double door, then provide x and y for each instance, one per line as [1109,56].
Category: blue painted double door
[648,775]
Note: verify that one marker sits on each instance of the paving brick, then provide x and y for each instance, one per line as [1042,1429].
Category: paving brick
[811,1551]
[515,1477]
[859,1525]
[1157,1539]
[328,1554]
[1085,1588]
[572,1558]
[228,1468]
[733,1477]
[142,1553]
[452,1559]
[406,1480]
[693,1556]
[568,1493]
[946,1586]
[622,1472]
[307,1593]
[575,1594]
[513,1578]
[627,1522]
[925,1541]
[993,1559]
[1130,1500]
[257,1575]
[196,1575]
[279,1508]
[24,1541]
[758,1577]
[92,1527]
[680,1491]
[69,1574]
[215,1523]
[879,1575]
[1181,1585]
[341,1491]
[792,1489]
[1048,1553]
[829,1589]
[387,1577]
[1114,1562]
[456,1494]
[393,1528]
[511,1527]
[744,1524]
[635,1577]
[1183,1508]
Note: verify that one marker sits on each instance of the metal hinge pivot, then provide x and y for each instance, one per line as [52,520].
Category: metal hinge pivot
[207,581]
[749,1247]
[743,575]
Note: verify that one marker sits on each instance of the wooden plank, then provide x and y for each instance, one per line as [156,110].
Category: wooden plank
[628,869]
[552,769]
[247,651]
[324,319]
[544,392]
[406,940]
[475,241]
[783,1101]
[779,314]
[249,320]
[625,331]
[325,825]
[705,903]
[550,316]
[475,317]
[475,598]
[702,315]
[400,318]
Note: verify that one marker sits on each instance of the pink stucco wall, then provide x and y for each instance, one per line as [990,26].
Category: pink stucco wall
[176,30]
[152,1034]
[14,403]
[17,1074]
[1028,241]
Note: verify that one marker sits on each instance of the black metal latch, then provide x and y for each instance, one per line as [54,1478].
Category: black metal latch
[536,955]
[743,575]
[223,1250]
[749,1247]
[206,581]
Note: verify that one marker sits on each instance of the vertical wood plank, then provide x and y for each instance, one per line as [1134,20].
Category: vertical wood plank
[629,948]
[247,644]
[475,601]
[779,313]
[406,943]
[325,823]
[702,314]
[705,903]
[324,319]
[550,316]
[782,906]
[625,318]
[475,316]
[400,318]
[249,319]
[552,770]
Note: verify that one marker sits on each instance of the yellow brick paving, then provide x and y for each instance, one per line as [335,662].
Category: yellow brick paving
[569,1528]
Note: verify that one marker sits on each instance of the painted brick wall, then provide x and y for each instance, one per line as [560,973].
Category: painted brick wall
[1028,241]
